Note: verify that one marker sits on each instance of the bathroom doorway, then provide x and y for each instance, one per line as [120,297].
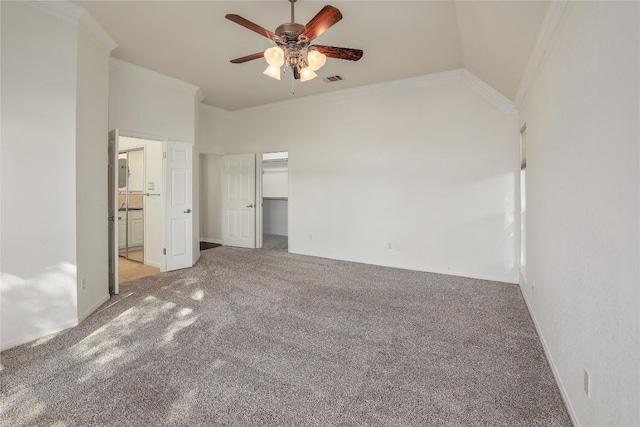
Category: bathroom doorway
[275,201]
[140,163]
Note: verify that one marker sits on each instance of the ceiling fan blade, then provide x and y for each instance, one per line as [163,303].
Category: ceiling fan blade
[340,52]
[252,26]
[248,58]
[328,16]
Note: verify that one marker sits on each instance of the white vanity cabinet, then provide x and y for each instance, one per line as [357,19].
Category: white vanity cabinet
[136,229]
[122,229]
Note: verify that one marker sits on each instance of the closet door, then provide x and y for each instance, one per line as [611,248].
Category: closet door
[178,218]
[239,200]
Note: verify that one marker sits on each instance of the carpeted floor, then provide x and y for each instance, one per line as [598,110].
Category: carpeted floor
[254,337]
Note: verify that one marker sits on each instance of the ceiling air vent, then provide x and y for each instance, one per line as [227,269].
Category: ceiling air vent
[333,79]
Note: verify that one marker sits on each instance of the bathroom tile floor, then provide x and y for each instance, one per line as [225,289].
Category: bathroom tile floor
[131,270]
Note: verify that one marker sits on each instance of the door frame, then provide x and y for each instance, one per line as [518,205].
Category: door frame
[259,206]
[113,200]
[113,243]
[162,140]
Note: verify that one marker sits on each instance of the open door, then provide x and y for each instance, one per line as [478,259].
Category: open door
[113,211]
[239,200]
[178,218]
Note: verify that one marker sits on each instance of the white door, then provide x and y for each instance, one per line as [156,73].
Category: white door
[239,200]
[178,217]
[113,211]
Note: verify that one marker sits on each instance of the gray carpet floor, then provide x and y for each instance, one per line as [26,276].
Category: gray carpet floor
[254,337]
[275,242]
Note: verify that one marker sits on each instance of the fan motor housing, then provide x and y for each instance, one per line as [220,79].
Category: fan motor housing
[289,31]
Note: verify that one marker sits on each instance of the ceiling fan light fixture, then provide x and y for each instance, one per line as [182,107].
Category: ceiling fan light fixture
[274,56]
[316,59]
[273,72]
[307,74]
[293,48]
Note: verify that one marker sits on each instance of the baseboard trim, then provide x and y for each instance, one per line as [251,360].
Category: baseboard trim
[93,308]
[208,240]
[552,364]
[33,337]
[490,278]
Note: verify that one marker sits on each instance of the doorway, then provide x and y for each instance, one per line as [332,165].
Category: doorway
[275,201]
[139,208]
[165,229]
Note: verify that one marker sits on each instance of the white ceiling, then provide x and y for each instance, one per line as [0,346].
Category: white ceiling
[193,42]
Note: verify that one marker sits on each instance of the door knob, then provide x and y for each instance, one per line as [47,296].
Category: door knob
[250,206]
[187,211]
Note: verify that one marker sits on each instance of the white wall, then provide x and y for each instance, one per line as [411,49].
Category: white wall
[39,265]
[210,198]
[213,130]
[428,168]
[91,174]
[148,103]
[582,115]
[153,209]
[53,174]
[195,179]
[136,171]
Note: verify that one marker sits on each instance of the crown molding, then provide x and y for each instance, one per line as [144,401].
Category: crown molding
[210,152]
[76,15]
[435,79]
[119,64]
[551,21]
[488,92]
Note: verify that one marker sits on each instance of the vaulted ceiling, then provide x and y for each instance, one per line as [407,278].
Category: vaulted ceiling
[193,42]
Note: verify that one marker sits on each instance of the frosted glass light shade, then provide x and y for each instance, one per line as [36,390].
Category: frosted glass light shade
[273,72]
[307,74]
[274,56]
[316,60]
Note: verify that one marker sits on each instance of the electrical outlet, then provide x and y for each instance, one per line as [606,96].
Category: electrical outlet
[310,237]
[389,245]
[83,284]
[587,383]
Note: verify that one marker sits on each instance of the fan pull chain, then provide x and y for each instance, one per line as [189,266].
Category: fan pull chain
[293,85]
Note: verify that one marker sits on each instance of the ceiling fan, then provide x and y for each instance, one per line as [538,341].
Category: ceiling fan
[293,44]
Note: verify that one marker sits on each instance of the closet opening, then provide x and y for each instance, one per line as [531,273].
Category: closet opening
[275,201]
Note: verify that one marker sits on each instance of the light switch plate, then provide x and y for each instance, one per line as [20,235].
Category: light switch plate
[151,186]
